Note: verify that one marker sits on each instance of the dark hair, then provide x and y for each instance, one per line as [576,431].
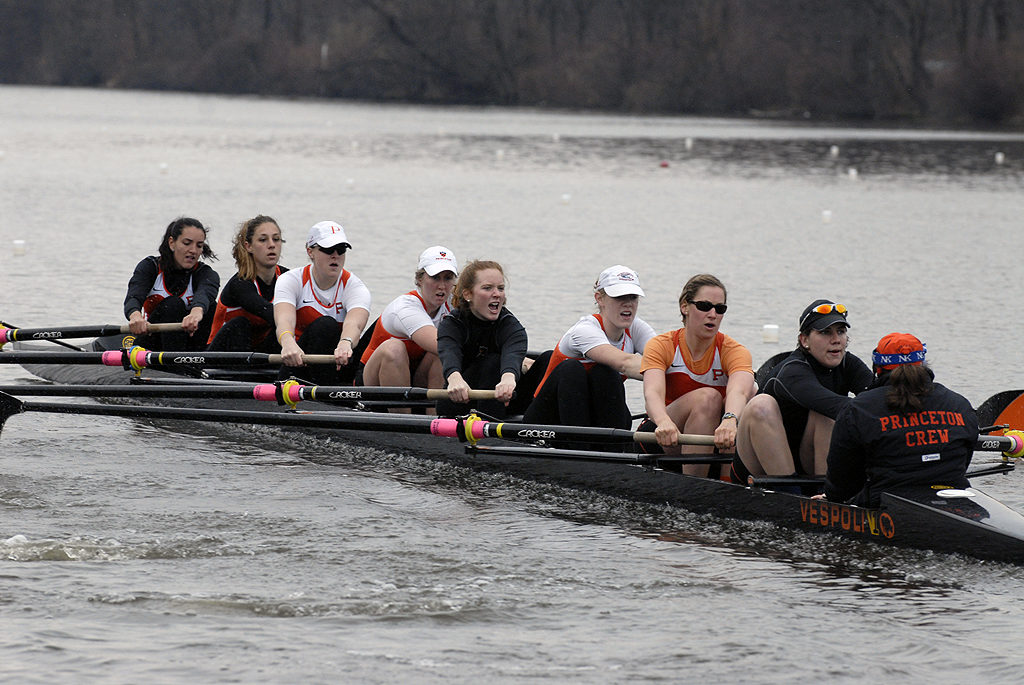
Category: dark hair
[696,283]
[908,384]
[467,279]
[243,259]
[174,230]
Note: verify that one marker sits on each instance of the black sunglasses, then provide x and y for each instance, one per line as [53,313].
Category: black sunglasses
[334,249]
[706,306]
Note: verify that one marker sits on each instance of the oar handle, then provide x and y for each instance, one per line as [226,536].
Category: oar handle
[306,359]
[156,327]
[441,394]
[684,439]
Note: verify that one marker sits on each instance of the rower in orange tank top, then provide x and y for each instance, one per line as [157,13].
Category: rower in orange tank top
[697,379]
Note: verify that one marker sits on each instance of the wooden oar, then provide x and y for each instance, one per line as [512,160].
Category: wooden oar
[139,358]
[261,391]
[470,429]
[10,334]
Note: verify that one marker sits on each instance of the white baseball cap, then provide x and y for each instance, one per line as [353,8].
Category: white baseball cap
[436,259]
[619,280]
[327,234]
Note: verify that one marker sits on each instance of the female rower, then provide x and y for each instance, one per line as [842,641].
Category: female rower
[174,287]
[696,379]
[322,308]
[906,432]
[244,317]
[403,348]
[481,344]
[786,428]
[583,383]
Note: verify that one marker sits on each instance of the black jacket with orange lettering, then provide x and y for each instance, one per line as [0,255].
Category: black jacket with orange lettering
[875,450]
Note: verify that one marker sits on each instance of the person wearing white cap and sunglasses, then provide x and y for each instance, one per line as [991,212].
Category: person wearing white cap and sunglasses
[696,379]
[403,348]
[322,308]
[787,426]
[583,383]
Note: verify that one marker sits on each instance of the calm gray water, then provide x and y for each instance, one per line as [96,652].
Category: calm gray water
[173,553]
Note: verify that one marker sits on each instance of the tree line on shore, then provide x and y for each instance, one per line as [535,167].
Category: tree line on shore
[929,61]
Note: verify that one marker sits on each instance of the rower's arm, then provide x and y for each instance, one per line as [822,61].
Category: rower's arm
[426,337]
[625,363]
[284,323]
[353,325]
[738,392]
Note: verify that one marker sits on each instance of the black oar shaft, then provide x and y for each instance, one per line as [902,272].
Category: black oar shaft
[349,420]
[263,391]
[478,429]
[142,358]
[58,332]
[294,393]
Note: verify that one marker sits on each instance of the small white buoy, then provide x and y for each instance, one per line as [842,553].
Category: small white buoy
[1000,158]
[499,154]
[19,248]
[688,143]
[163,167]
[826,216]
[770,333]
[555,137]
[565,198]
[833,151]
[852,173]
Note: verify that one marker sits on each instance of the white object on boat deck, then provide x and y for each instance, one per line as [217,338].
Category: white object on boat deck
[852,173]
[953,492]
[1000,158]
[770,333]
[688,143]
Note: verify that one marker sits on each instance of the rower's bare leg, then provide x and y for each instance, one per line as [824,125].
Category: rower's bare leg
[698,411]
[389,366]
[815,442]
[761,439]
[429,374]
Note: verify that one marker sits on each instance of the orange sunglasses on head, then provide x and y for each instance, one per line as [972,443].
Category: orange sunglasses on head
[829,308]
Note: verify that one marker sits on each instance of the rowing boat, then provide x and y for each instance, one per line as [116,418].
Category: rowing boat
[967,521]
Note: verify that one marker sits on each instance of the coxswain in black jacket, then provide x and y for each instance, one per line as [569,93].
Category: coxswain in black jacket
[875,450]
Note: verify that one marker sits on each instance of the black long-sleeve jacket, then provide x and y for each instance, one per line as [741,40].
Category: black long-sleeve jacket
[875,449]
[462,337]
